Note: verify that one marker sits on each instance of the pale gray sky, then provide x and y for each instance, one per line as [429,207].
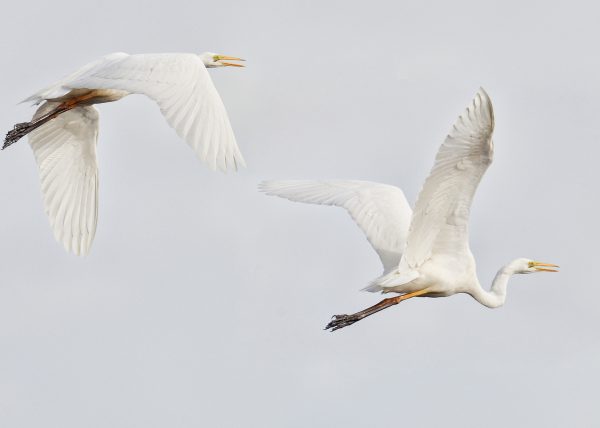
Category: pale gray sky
[203,302]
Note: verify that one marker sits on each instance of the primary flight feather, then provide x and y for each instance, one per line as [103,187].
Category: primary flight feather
[64,130]
[425,253]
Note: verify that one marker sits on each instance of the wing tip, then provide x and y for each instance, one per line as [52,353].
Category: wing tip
[225,161]
[275,187]
[226,166]
[238,161]
[483,92]
[486,102]
[79,245]
[266,187]
[479,113]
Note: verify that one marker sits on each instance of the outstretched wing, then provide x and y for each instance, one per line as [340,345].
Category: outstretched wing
[439,221]
[380,210]
[65,152]
[185,93]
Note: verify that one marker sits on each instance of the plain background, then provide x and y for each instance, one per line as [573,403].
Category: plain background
[203,302]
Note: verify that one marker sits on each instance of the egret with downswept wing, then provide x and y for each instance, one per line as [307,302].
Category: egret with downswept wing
[64,130]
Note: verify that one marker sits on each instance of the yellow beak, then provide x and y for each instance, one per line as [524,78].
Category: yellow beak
[544,267]
[229,58]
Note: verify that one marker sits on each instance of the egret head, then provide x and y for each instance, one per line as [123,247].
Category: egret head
[212,60]
[531,266]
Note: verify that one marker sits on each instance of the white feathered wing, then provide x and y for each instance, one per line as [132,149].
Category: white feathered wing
[380,210]
[180,85]
[439,223]
[65,152]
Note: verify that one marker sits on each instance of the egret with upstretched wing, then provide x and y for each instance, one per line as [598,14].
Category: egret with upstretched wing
[64,130]
[425,253]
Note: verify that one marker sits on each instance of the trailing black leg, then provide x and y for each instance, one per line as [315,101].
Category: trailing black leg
[24,128]
[15,134]
[341,321]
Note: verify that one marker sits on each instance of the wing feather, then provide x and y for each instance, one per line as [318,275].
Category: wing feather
[439,222]
[65,152]
[181,86]
[380,210]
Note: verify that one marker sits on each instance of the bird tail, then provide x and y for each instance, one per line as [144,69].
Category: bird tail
[390,281]
[373,287]
[34,99]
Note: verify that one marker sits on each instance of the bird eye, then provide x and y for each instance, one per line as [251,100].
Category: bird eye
[531,264]
[215,58]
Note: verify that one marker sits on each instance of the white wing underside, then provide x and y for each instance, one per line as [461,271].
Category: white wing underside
[441,213]
[65,152]
[380,210]
[180,85]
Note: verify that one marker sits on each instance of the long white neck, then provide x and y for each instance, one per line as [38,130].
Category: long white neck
[497,294]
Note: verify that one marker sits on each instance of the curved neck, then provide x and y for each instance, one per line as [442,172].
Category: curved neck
[497,294]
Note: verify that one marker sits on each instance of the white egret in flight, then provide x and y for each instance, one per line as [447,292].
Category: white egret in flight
[64,129]
[424,253]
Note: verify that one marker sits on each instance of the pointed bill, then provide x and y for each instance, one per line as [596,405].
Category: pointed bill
[223,58]
[545,267]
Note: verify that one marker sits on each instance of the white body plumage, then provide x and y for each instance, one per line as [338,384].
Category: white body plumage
[426,252]
[64,144]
